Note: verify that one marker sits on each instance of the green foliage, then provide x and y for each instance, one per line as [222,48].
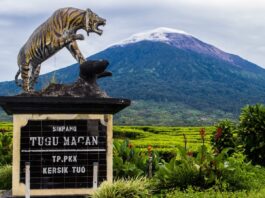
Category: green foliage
[134,188]
[209,170]
[5,177]
[223,136]
[176,174]
[239,175]
[130,162]
[5,148]
[204,170]
[252,132]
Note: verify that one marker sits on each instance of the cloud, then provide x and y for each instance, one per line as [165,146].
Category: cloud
[236,26]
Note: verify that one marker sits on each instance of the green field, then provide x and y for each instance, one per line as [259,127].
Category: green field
[162,138]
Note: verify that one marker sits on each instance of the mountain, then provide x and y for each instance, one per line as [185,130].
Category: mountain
[173,78]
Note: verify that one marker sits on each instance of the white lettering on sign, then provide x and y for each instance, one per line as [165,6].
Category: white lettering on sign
[63,170]
[84,140]
[54,170]
[64,128]
[65,141]
[78,169]
[64,158]
[41,141]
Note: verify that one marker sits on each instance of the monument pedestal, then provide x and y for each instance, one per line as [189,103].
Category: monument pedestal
[67,142]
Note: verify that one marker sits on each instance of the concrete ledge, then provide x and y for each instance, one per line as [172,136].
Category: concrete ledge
[55,105]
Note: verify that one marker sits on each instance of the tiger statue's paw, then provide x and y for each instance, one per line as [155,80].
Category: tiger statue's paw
[78,37]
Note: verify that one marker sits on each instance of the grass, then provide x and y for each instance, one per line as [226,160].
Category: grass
[136,188]
[211,193]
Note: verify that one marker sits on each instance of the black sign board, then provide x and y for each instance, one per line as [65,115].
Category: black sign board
[62,152]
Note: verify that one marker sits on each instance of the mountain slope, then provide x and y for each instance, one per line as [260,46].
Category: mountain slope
[172,76]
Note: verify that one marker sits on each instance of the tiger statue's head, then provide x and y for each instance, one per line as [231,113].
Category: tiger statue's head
[92,22]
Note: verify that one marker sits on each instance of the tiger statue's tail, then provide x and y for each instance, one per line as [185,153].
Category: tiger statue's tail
[16,78]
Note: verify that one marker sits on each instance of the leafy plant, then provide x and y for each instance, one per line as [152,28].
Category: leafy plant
[252,132]
[5,148]
[204,170]
[239,175]
[131,162]
[134,188]
[176,174]
[223,136]
[209,170]
[5,177]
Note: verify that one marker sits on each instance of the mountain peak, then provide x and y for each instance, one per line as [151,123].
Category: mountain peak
[158,34]
[179,39]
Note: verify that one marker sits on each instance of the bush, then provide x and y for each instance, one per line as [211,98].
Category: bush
[176,174]
[223,136]
[252,132]
[6,177]
[130,162]
[239,175]
[5,148]
[209,170]
[202,170]
[135,188]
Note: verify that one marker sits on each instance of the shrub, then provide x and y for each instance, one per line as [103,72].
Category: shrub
[239,175]
[208,170]
[223,136]
[6,177]
[130,162]
[176,174]
[202,171]
[5,148]
[252,132]
[134,188]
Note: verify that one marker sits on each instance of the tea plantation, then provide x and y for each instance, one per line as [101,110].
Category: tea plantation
[162,139]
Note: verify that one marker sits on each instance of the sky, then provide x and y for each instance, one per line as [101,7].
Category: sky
[235,26]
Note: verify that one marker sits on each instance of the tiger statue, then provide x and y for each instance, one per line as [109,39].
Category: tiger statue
[56,32]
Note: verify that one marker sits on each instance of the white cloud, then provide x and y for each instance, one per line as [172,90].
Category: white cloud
[236,26]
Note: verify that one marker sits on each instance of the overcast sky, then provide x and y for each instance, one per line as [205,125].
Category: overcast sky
[235,26]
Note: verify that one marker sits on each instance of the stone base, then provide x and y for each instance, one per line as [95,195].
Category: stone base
[44,113]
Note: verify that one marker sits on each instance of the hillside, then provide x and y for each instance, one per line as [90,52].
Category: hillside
[173,79]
